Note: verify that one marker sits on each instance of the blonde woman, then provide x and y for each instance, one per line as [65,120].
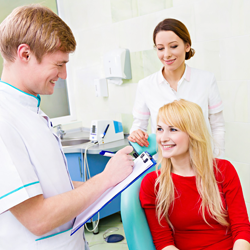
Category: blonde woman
[194,201]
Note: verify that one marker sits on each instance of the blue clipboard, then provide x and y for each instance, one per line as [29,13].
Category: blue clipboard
[142,163]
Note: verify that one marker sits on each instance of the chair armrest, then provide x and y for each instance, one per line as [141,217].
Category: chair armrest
[134,221]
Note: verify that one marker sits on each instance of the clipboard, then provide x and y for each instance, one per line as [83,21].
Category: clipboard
[142,163]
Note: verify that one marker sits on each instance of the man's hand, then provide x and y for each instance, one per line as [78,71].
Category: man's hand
[140,137]
[119,166]
[40,215]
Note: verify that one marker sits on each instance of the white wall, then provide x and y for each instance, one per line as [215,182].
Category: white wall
[220,32]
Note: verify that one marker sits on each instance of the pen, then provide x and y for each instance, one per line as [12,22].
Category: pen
[105,131]
[107,153]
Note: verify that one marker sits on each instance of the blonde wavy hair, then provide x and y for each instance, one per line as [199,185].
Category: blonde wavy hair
[188,117]
[37,26]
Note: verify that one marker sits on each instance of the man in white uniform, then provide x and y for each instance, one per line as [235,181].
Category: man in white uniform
[38,200]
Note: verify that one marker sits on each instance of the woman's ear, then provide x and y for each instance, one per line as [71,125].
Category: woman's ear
[188,47]
[23,52]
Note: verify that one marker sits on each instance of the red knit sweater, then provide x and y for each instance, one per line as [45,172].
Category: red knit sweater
[190,230]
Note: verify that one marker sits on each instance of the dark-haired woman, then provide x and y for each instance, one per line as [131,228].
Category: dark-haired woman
[176,80]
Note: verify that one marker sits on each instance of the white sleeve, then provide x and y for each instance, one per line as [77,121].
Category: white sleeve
[141,112]
[215,104]
[18,179]
[139,124]
[218,132]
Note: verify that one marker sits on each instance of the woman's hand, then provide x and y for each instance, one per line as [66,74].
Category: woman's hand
[241,244]
[140,137]
[170,248]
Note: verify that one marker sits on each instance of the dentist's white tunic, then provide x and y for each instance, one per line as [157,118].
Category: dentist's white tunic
[31,163]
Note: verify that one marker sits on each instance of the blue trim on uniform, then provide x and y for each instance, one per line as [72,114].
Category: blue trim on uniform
[33,183]
[37,97]
[118,127]
[52,235]
[39,100]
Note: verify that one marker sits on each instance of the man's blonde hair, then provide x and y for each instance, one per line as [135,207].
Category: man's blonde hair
[188,117]
[37,26]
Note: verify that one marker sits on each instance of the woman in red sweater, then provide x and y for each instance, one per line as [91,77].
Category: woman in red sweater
[194,201]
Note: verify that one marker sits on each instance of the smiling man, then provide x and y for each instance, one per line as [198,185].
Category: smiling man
[38,200]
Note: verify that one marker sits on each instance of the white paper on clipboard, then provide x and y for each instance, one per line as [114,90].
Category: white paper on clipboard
[141,164]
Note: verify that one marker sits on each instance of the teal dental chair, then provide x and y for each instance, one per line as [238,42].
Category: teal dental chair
[134,221]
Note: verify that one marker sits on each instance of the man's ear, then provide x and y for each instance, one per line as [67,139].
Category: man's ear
[23,52]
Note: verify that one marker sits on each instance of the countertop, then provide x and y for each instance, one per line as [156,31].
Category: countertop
[96,149]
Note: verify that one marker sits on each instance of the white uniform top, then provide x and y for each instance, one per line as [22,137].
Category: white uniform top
[154,91]
[32,163]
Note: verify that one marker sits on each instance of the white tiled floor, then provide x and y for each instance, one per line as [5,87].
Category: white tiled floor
[96,242]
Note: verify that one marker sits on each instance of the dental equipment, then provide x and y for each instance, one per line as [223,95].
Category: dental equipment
[104,131]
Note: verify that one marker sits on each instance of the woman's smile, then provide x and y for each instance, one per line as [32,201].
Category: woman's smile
[169,62]
[168,146]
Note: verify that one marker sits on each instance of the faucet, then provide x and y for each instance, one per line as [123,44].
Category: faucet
[60,133]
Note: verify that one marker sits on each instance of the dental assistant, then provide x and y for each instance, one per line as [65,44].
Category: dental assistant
[38,200]
[176,80]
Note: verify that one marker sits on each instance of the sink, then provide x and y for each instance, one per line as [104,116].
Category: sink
[74,141]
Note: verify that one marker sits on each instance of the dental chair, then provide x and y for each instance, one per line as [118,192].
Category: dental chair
[134,221]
